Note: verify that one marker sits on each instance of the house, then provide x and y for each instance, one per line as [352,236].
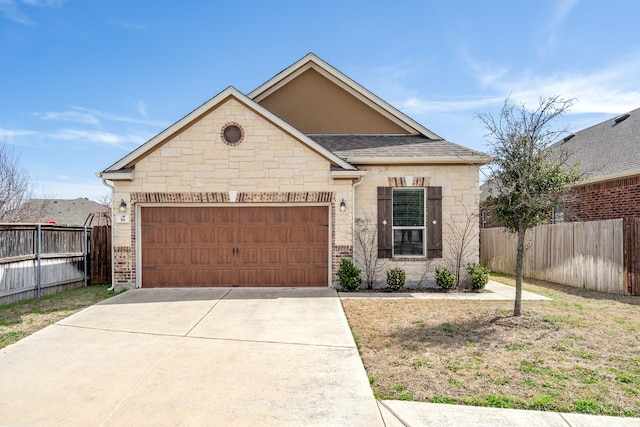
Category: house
[609,158]
[69,212]
[264,189]
[608,155]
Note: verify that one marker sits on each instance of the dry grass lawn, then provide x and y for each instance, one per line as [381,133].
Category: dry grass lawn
[21,319]
[579,352]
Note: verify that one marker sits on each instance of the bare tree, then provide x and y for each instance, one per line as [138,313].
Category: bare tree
[460,237]
[15,188]
[105,201]
[365,251]
[527,178]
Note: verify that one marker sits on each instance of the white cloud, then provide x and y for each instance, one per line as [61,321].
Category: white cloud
[611,89]
[94,130]
[485,72]
[8,134]
[415,105]
[90,136]
[69,187]
[608,90]
[11,10]
[142,108]
[130,25]
[43,3]
[124,119]
[559,12]
[70,116]
[26,137]
[90,116]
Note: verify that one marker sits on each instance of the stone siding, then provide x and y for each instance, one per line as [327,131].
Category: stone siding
[460,193]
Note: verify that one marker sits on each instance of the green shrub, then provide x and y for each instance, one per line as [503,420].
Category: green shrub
[479,276]
[445,278]
[396,279]
[349,275]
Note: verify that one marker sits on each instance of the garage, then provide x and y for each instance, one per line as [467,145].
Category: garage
[203,246]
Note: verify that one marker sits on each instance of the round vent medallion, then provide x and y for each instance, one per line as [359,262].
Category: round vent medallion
[232,134]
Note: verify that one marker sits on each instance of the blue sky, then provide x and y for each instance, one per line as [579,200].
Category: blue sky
[83,82]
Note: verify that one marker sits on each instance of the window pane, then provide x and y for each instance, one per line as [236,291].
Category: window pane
[408,242]
[408,207]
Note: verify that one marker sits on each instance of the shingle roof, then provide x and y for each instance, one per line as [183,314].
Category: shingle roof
[72,212]
[604,150]
[354,147]
[607,149]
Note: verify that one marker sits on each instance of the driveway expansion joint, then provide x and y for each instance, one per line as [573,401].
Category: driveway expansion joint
[272,342]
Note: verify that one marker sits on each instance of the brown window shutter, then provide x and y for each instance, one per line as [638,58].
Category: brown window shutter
[434,222]
[385,230]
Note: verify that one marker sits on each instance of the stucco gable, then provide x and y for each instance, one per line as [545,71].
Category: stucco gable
[124,166]
[315,86]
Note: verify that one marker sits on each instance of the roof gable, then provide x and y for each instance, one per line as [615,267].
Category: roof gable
[124,166]
[322,96]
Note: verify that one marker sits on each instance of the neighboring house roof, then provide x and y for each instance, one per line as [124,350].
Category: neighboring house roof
[607,150]
[72,212]
[604,151]
[375,149]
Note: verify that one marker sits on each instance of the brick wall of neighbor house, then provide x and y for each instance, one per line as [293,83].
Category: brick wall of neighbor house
[195,166]
[619,198]
[459,188]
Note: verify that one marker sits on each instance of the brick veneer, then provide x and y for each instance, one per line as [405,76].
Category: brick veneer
[619,198]
[340,252]
[124,265]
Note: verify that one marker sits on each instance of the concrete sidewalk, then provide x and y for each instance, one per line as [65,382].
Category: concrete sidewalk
[496,292]
[398,413]
[198,357]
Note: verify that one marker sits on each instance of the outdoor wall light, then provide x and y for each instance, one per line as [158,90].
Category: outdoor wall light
[123,206]
[343,206]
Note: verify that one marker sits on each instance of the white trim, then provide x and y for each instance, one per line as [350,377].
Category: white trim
[230,92]
[348,174]
[436,160]
[116,175]
[423,228]
[138,227]
[311,61]
[611,177]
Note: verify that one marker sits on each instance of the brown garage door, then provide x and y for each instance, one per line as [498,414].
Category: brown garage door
[234,246]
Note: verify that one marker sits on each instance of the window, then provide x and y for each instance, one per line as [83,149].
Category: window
[408,222]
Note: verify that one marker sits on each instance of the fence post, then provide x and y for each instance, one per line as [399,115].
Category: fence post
[85,245]
[38,260]
[631,254]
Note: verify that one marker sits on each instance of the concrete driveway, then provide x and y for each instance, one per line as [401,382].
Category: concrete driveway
[168,357]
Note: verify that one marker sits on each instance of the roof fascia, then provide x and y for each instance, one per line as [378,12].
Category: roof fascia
[348,174]
[440,160]
[229,92]
[346,83]
[116,175]
[611,177]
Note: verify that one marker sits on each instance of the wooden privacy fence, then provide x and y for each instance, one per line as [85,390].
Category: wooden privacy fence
[100,255]
[38,260]
[598,255]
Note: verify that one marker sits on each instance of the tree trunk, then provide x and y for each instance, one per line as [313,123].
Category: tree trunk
[517,308]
